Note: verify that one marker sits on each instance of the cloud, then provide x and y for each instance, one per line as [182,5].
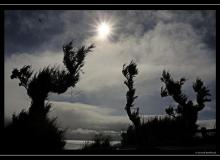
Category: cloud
[85,121]
[209,124]
[78,115]
[24,32]
[173,46]
[87,134]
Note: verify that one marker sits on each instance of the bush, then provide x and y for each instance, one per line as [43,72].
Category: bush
[31,134]
[101,142]
[157,131]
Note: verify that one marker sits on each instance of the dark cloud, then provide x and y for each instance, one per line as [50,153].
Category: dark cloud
[25,33]
[36,31]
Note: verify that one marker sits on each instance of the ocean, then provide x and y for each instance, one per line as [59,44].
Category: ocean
[78,144]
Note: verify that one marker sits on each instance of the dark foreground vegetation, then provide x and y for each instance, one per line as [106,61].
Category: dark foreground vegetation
[33,132]
[178,128]
[101,142]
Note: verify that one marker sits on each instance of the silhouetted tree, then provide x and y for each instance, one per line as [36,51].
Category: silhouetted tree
[33,129]
[50,79]
[185,109]
[175,130]
[130,71]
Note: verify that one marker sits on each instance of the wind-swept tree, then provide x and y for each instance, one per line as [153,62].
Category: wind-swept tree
[130,71]
[50,79]
[186,109]
[33,130]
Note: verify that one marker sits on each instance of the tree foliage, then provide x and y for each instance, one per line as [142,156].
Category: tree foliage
[175,129]
[130,71]
[51,79]
[185,109]
[33,130]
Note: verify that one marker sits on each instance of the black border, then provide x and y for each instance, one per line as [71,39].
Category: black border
[106,2]
[106,7]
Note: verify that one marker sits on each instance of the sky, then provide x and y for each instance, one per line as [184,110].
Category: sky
[182,42]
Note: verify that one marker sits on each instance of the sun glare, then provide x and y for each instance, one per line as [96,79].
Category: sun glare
[103,30]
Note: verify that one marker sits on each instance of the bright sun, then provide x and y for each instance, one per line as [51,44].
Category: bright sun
[103,30]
